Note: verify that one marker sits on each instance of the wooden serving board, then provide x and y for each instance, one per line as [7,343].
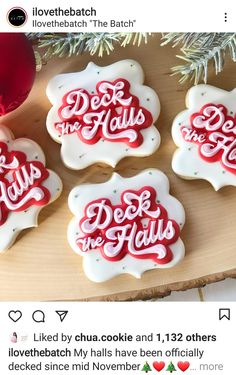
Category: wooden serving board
[41,265]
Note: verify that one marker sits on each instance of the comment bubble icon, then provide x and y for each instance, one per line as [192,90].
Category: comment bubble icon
[38,316]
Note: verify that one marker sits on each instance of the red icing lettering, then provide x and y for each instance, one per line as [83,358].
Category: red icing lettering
[215,133]
[138,226]
[20,182]
[113,113]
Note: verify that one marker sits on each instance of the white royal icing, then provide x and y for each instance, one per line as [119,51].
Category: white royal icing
[91,206]
[207,151]
[20,187]
[114,134]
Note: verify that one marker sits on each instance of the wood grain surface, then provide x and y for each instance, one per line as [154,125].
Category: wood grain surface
[41,265]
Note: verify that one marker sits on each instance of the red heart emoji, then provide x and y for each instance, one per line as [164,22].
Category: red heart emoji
[183,366]
[158,365]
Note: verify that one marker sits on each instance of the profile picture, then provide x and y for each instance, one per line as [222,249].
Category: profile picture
[17,17]
[13,337]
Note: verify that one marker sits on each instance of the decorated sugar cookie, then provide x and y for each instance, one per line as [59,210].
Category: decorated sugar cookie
[103,114]
[26,185]
[126,225]
[206,136]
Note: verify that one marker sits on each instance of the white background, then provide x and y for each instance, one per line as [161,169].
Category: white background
[150,15]
[133,318]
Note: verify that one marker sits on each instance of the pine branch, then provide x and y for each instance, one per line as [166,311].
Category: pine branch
[188,40]
[66,45]
[33,36]
[134,38]
[61,44]
[100,43]
[199,50]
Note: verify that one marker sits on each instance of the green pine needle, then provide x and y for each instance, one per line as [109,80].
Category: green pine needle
[199,50]
[66,45]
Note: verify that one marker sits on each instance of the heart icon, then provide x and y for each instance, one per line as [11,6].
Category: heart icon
[15,315]
[158,365]
[183,366]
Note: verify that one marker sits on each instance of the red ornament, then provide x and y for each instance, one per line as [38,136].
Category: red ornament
[17,70]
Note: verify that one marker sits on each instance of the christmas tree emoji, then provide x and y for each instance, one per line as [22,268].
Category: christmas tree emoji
[146,367]
[171,367]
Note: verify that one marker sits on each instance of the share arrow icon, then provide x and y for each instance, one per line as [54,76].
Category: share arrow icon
[62,314]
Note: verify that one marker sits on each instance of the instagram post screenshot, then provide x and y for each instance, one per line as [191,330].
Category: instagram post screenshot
[117,187]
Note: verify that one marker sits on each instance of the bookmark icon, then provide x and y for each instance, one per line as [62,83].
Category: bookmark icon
[62,314]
